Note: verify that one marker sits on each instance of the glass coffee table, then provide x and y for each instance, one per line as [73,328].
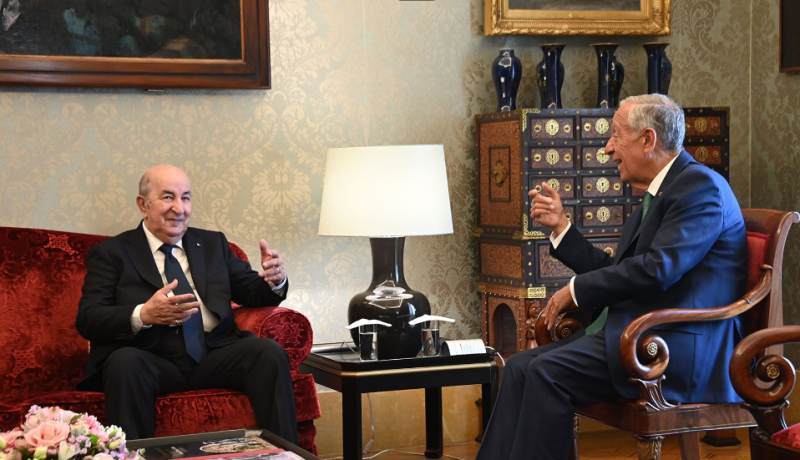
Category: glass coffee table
[217,444]
[343,371]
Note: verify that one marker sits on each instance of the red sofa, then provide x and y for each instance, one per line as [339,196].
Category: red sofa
[43,356]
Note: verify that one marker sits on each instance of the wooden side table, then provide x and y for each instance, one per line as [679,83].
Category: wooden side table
[344,372]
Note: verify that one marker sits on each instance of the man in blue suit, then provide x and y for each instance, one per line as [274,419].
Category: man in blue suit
[684,247]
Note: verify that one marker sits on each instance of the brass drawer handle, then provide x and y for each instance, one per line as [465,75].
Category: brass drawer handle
[567,187]
[588,157]
[602,185]
[617,186]
[609,251]
[602,158]
[589,216]
[537,158]
[569,215]
[567,157]
[552,157]
[603,214]
[588,187]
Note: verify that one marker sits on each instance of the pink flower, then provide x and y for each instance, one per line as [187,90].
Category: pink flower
[48,434]
[103,457]
[11,437]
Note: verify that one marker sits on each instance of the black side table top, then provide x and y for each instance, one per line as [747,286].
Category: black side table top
[348,363]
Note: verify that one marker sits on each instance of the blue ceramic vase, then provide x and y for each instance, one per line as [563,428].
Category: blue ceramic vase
[659,69]
[551,75]
[610,75]
[506,73]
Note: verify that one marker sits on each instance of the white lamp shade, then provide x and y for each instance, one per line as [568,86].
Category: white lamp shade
[386,191]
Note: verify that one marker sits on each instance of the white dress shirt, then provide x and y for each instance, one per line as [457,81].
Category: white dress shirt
[652,189]
[210,320]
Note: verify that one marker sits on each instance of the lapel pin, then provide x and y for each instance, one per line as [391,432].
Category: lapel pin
[198,245]
[659,194]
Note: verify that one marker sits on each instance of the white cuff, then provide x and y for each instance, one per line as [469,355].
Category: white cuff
[136,320]
[556,240]
[281,288]
[572,290]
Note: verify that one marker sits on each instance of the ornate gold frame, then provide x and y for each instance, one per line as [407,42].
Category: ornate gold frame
[652,19]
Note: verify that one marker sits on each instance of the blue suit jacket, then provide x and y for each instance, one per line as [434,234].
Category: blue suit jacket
[690,251]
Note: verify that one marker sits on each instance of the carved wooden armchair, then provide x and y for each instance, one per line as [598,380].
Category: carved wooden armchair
[645,356]
[765,387]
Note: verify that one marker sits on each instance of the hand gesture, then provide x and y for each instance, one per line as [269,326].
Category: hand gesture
[272,263]
[547,210]
[560,302]
[164,311]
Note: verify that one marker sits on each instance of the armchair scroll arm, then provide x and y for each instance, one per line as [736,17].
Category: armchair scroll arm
[765,385]
[563,328]
[646,358]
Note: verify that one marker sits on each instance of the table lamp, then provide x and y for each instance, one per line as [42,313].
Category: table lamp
[387,193]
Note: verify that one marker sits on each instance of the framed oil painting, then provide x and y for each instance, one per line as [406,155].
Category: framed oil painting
[789,36]
[577,17]
[150,44]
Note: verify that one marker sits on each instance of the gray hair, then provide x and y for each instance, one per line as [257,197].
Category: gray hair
[144,185]
[660,113]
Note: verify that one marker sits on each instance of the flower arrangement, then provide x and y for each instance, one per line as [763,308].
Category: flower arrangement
[52,433]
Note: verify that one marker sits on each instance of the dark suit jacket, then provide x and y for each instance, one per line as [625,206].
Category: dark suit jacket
[122,273]
[689,252]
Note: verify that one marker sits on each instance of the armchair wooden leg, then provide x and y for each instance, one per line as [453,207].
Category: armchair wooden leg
[690,446]
[649,447]
[573,451]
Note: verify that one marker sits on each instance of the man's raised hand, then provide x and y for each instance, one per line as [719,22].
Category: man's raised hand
[547,210]
[166,311]
[272,265]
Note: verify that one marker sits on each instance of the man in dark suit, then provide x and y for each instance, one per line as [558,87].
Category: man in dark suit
[684,247]
[156,307]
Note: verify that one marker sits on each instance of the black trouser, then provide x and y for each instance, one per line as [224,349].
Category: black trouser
[534,411]
[134,378]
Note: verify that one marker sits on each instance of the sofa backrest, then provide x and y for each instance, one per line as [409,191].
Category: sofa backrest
[41,276]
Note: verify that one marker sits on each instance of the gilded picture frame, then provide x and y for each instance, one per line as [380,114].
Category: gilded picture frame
[586,17]
[152,44]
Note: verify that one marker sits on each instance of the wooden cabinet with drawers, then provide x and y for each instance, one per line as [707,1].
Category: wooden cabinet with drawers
[565,148]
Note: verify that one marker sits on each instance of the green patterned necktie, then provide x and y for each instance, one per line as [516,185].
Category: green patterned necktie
[646,203]
[600,322]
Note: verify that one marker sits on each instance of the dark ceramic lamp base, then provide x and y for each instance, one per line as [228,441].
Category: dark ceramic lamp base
[401,340]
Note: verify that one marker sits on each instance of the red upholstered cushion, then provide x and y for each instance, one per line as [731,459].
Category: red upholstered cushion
[788,437]
[41,274]
[305,398]
[757,244]
[757,248]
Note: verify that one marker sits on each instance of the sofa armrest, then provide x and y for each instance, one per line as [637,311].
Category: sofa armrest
[290,328]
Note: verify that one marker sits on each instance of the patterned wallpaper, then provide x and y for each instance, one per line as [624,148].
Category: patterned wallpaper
[348,73]
[775,164]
